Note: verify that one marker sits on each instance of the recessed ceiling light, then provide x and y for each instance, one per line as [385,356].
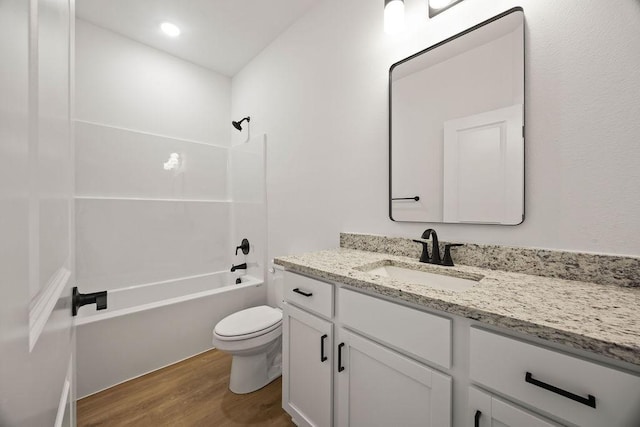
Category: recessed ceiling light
[170,29]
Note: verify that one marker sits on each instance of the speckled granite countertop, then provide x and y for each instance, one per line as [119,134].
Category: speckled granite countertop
[602,319]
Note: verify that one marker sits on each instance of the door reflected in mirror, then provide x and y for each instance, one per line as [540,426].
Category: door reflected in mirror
[457,128]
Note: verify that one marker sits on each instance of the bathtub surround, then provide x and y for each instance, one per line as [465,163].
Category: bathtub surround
[247,189]
[136,222]
[118,162]
[584,267]
[586,316]
[143,229]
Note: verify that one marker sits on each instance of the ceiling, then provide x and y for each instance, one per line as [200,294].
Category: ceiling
[222,35]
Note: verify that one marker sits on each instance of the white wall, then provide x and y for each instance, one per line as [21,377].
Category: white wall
[137,223]
[320,92]
[126,84]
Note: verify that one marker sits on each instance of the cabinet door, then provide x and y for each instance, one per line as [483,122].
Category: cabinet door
[306,374]
[379,387]
[487,411]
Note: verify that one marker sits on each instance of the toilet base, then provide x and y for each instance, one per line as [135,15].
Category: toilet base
[252,372]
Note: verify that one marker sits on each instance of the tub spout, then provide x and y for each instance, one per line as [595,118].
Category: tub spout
[239,267]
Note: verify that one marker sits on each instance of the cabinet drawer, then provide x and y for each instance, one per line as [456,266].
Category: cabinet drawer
[308,293]
[565,386]
[412,331]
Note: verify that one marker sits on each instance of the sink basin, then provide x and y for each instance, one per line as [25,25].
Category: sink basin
[420,277]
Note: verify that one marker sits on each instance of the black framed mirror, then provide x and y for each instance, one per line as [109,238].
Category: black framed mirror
[456,127]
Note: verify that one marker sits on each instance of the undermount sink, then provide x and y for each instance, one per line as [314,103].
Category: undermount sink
[420,277]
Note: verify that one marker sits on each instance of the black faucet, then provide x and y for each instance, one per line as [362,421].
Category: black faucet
[435,246]
[242,266]
[435,258]
[424,257]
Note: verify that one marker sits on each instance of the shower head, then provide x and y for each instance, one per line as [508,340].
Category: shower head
[238,125]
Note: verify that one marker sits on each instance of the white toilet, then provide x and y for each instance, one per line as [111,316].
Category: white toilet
[254,339]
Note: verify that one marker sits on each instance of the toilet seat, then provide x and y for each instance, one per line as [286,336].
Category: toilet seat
[250,323]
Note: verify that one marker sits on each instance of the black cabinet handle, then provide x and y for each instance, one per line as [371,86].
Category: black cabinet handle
[340,367]
[589,400]
[298,291]
[322,356]
[476,419]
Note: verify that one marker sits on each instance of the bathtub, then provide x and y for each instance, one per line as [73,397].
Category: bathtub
[150,326]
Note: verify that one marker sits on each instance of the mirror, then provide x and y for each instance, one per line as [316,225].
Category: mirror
[456,128]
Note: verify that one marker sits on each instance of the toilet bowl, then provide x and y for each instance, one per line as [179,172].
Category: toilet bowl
[253,337]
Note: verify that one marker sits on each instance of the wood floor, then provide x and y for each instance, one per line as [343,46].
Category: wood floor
[190,393]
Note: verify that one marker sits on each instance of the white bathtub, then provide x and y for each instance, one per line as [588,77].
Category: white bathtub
[150,326]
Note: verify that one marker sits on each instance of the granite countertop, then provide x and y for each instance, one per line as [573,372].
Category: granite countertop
[598,318]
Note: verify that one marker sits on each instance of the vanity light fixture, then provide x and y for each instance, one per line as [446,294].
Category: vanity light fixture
[393,16]
[170,29]
[439,6]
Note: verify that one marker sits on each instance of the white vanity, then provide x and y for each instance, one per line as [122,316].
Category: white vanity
[350,353]
[361,357]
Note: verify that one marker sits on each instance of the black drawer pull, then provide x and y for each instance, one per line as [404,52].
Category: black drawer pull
[298,291]
[589,400]
[340,367]
[476,419]
[322,356]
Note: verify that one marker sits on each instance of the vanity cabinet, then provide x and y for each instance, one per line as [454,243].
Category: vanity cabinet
[307,367]
[352,380]
[354,359]
[376,386]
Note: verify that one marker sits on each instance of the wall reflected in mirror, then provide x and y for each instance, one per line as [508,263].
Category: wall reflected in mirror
[457,128]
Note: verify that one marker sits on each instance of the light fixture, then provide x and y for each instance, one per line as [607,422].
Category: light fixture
[170,29]
[439,6]
[393,16]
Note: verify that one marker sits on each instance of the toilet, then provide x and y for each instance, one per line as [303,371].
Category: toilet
[254,338]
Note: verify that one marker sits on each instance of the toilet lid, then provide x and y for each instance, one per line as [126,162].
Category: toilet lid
[249,321]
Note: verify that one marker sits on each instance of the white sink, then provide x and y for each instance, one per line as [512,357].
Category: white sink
[419,277]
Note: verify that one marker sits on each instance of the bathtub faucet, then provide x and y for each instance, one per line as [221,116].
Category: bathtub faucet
[242,266]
